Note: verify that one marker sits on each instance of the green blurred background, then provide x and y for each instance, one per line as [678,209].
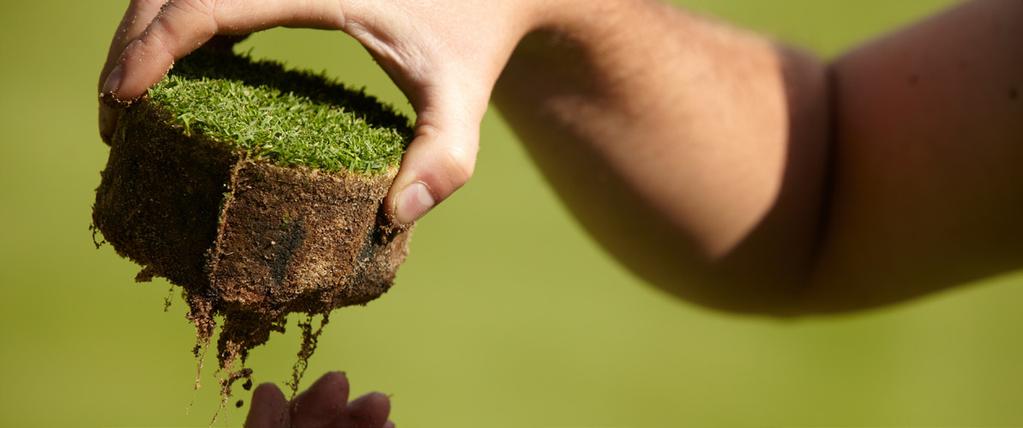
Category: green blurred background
[506,314]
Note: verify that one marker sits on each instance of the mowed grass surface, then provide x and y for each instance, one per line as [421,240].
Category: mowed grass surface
[289,117]
[506,314]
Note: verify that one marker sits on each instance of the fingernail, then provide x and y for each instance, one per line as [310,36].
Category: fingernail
[113,82]
[413,202]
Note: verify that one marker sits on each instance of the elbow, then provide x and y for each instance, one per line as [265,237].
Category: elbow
[759,288]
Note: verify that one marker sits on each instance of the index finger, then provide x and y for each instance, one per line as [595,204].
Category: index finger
[269,408]
[182,26]
[136,18]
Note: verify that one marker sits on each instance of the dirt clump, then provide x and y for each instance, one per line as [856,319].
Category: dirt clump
[248,239]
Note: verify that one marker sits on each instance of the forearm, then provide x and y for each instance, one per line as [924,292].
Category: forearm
[693,152]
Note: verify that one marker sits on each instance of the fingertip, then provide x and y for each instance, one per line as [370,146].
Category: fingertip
[370,410]
[434,167]
[335,378]
[331,385]
[372,400]
[412,202]
[322,402]
[107,122]
[112,84]
[142,65]
[267,392]
[269,408]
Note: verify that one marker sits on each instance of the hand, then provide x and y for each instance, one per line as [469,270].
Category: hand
[445,55]
[324,405]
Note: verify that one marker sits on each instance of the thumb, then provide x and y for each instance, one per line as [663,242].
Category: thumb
[441,157]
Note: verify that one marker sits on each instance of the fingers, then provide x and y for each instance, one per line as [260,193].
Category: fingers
[136,18]
[269,408]
[368,411]
[441,158]
[322,403]
[438,162]
[179,28]
[183,25]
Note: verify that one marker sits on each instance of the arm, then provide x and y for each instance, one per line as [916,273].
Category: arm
[694,152]
[746,176]
[928,184]
[714,163]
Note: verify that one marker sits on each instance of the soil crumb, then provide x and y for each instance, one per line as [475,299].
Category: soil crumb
[167,301]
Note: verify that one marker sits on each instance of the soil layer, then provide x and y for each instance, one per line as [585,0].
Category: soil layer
[247,239]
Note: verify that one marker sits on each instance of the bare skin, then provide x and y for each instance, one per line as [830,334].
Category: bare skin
[324,405]
[739,174]
[720,166]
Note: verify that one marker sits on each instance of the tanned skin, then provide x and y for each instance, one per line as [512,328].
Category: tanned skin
[717,164]
[745,175]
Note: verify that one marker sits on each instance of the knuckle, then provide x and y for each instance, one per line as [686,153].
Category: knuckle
[202,7]
[136,48]
[182,19]
[460,165]
[154,42]
[148,4]
[196,13]
[335,15]
[454,153]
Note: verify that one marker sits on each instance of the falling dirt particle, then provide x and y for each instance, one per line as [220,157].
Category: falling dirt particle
[95,231]
[247,385]
[239,403]
[169,299]
[309,341]
[226,382]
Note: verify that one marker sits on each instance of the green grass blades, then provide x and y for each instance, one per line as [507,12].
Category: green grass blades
[291,118]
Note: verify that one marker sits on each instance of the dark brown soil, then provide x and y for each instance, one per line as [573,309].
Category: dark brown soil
[247,240]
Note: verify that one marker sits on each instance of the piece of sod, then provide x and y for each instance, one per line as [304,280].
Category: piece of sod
[256,189]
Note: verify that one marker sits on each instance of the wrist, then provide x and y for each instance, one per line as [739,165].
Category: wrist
[574,17]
